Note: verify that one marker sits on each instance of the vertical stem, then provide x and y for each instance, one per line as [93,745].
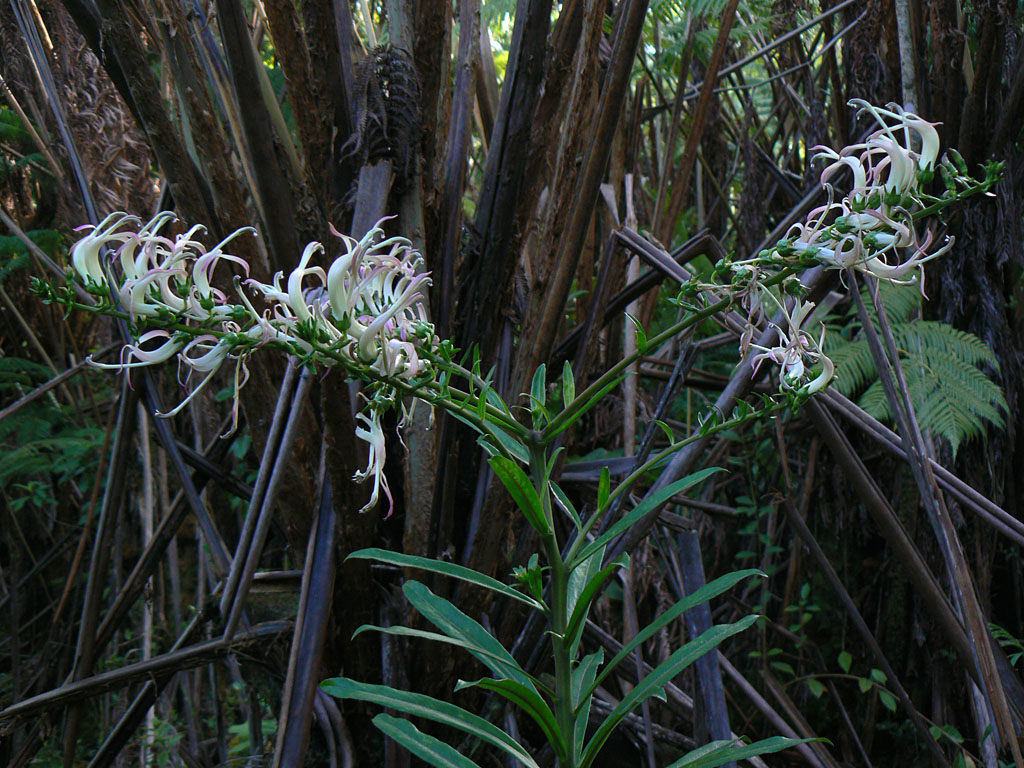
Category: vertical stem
[559,575]
[904,32]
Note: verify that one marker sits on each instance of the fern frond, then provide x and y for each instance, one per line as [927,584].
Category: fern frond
[952,396]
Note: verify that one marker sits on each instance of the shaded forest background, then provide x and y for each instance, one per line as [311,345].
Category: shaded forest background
[554,163]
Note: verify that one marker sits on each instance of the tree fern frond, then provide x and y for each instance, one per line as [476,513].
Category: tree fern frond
[952,396]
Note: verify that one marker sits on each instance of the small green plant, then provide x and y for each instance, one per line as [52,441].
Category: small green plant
[1012,645]
[44,446]
[875,680]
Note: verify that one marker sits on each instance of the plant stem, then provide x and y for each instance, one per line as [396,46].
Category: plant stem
[559,616]
[584,397]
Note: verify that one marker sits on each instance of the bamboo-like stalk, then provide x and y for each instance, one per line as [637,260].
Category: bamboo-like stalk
[965,598]
[146,518]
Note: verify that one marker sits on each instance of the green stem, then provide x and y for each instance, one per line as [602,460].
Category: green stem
[651,463]
[584,397]
[559,616]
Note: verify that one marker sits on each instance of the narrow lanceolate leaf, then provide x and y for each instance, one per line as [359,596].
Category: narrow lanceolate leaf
[565,505]
[580,577]
[423,745]
[595,583]
[519,486]
[604,488]
[582,680]
[721,752]
[439,638]
[651,502]
[429,708]
[658,678]
[538,389]
[568,384]
[702,595]
[500,438]
[445,569]
[477,640]
[539,398]
[481,407]
[641,335]
[528,700]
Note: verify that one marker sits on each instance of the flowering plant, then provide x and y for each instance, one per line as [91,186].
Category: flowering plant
[873,229]
[365,313]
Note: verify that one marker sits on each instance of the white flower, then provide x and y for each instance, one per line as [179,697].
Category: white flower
[296,300]
[85,254]
[161,354]
[794,348]
[368,305]
[373,434]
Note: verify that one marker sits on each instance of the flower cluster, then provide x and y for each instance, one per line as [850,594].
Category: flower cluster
[364,313]
[872,229]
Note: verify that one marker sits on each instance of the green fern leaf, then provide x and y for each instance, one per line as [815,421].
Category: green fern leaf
[951,394]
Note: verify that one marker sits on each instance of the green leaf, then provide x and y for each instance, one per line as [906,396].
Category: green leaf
[445,569]
[864,684]
[568,385]
[512,446]
[878,676]
[782,666]
[815,687]
[430,709]
[641,335]
[657,679]
[454,623]
[667,430]
[400,631]
[702,595]
[530,577]
[888,700]
[651,502]
[519,486]
[539,395]
[582,679]
[949,731]
[423,745]
[721,752]
[538,389]
[604,488]
[528,700]
[565,505]
[592,586]
[845,661]
[481,408]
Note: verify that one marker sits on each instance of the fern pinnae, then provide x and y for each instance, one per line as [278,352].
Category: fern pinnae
[952,396]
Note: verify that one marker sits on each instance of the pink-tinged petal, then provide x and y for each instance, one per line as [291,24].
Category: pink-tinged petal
[202,270]
[374,436]
[85,254]
[819,382]
[160,354]
[295,298]
[212,358]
